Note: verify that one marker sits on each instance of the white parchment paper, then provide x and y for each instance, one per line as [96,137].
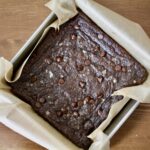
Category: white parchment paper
[20,117]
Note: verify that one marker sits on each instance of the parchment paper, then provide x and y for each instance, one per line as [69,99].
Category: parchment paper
[127,33]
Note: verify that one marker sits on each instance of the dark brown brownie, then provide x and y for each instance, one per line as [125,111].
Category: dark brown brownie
[71,75]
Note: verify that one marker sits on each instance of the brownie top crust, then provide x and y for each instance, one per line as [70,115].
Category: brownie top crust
[71,75]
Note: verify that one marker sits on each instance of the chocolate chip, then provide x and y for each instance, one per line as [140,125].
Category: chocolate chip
[50,102]
[63,110]
[100,96]
[48,61]
[82,84]
[86,100]
[48,96]
[100,36]
[118,98]
[31,84]
[99,113]
[31,74]
[27,84]
[37,104]
[109,42]
[118,67]
[59,113]
[114,80]
[102,53]
[68,115]
[74,104]
[61,81]
[75,114]
[104,72]
[96,49]
[68,108]
[60,44]
[41,81]
[100,79]
[80,103]
[87,62]
[47,113]
[79,67]
[59,59]
[79,38]
[76,27]
[42,100]
[91,101]
[123,69]
[73,37]
[33,78]
[88,125]
[62,76]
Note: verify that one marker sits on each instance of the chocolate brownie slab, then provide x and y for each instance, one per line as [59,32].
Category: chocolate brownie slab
[69,78]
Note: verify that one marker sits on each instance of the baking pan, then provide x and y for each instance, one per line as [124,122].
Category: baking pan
[118,121]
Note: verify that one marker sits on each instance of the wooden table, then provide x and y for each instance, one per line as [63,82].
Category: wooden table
[18,19]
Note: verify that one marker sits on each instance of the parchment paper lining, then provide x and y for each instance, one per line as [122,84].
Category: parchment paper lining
[127,33]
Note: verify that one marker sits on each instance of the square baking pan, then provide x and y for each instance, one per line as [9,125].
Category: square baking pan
[22,54]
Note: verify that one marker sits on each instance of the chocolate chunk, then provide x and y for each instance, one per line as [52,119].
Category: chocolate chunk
[118,68]
[82,84]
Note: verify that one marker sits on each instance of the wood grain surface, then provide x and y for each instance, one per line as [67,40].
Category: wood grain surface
[18,20]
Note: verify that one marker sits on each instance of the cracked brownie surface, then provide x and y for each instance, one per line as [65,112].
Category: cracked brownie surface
[69,78]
